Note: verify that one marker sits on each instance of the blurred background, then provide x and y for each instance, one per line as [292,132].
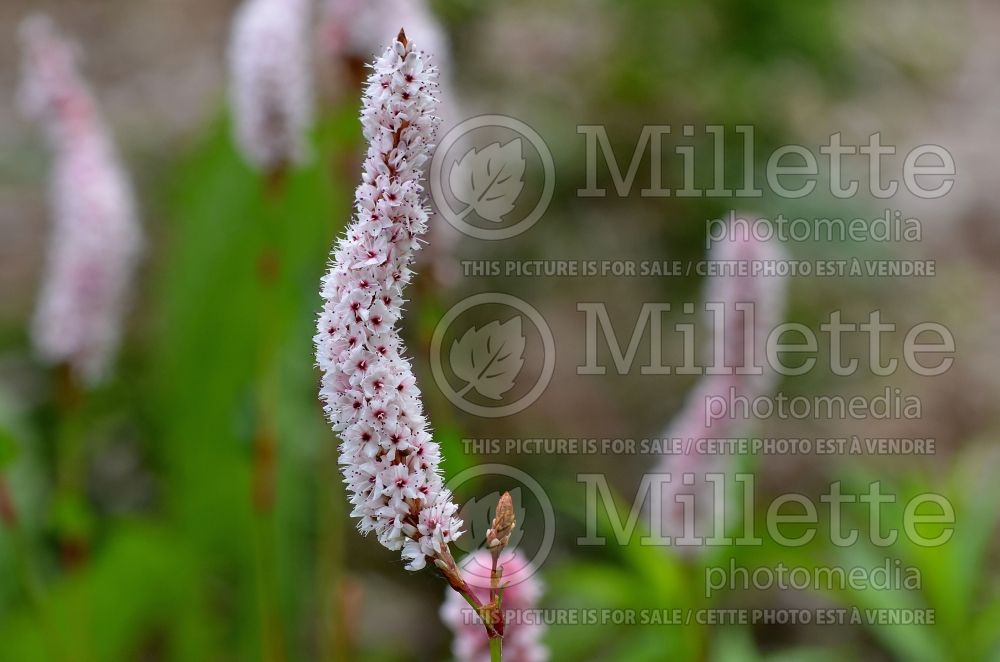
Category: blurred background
[136,533]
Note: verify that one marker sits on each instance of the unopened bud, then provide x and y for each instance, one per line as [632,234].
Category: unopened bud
[498,536]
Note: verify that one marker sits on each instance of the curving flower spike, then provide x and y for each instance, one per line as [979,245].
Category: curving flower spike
[271,84]
[96,238]
[767,296]
[523,632]
[389,460]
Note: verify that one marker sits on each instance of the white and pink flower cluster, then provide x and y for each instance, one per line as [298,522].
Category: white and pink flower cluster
[96,238]
[750,304]
[523,629]
[350,31]
[390,463]
[271,81]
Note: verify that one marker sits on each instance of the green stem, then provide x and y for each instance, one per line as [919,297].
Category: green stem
[489,613]
[72,516]
[265,441]
[272,638]
[496,597]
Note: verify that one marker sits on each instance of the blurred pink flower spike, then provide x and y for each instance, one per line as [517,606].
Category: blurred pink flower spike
[271,83]
[522,639]
[96,238]
[749,306]
[355,29]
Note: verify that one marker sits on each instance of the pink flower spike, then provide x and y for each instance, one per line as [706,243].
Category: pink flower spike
[734,293]
[271,83]
[390,462]
[95,242]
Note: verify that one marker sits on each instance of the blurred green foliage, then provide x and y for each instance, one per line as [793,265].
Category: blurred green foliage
[178,581]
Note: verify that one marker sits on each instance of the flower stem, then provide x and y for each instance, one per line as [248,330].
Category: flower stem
[265,438]
[496,598]
[490,613]
[71,508]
